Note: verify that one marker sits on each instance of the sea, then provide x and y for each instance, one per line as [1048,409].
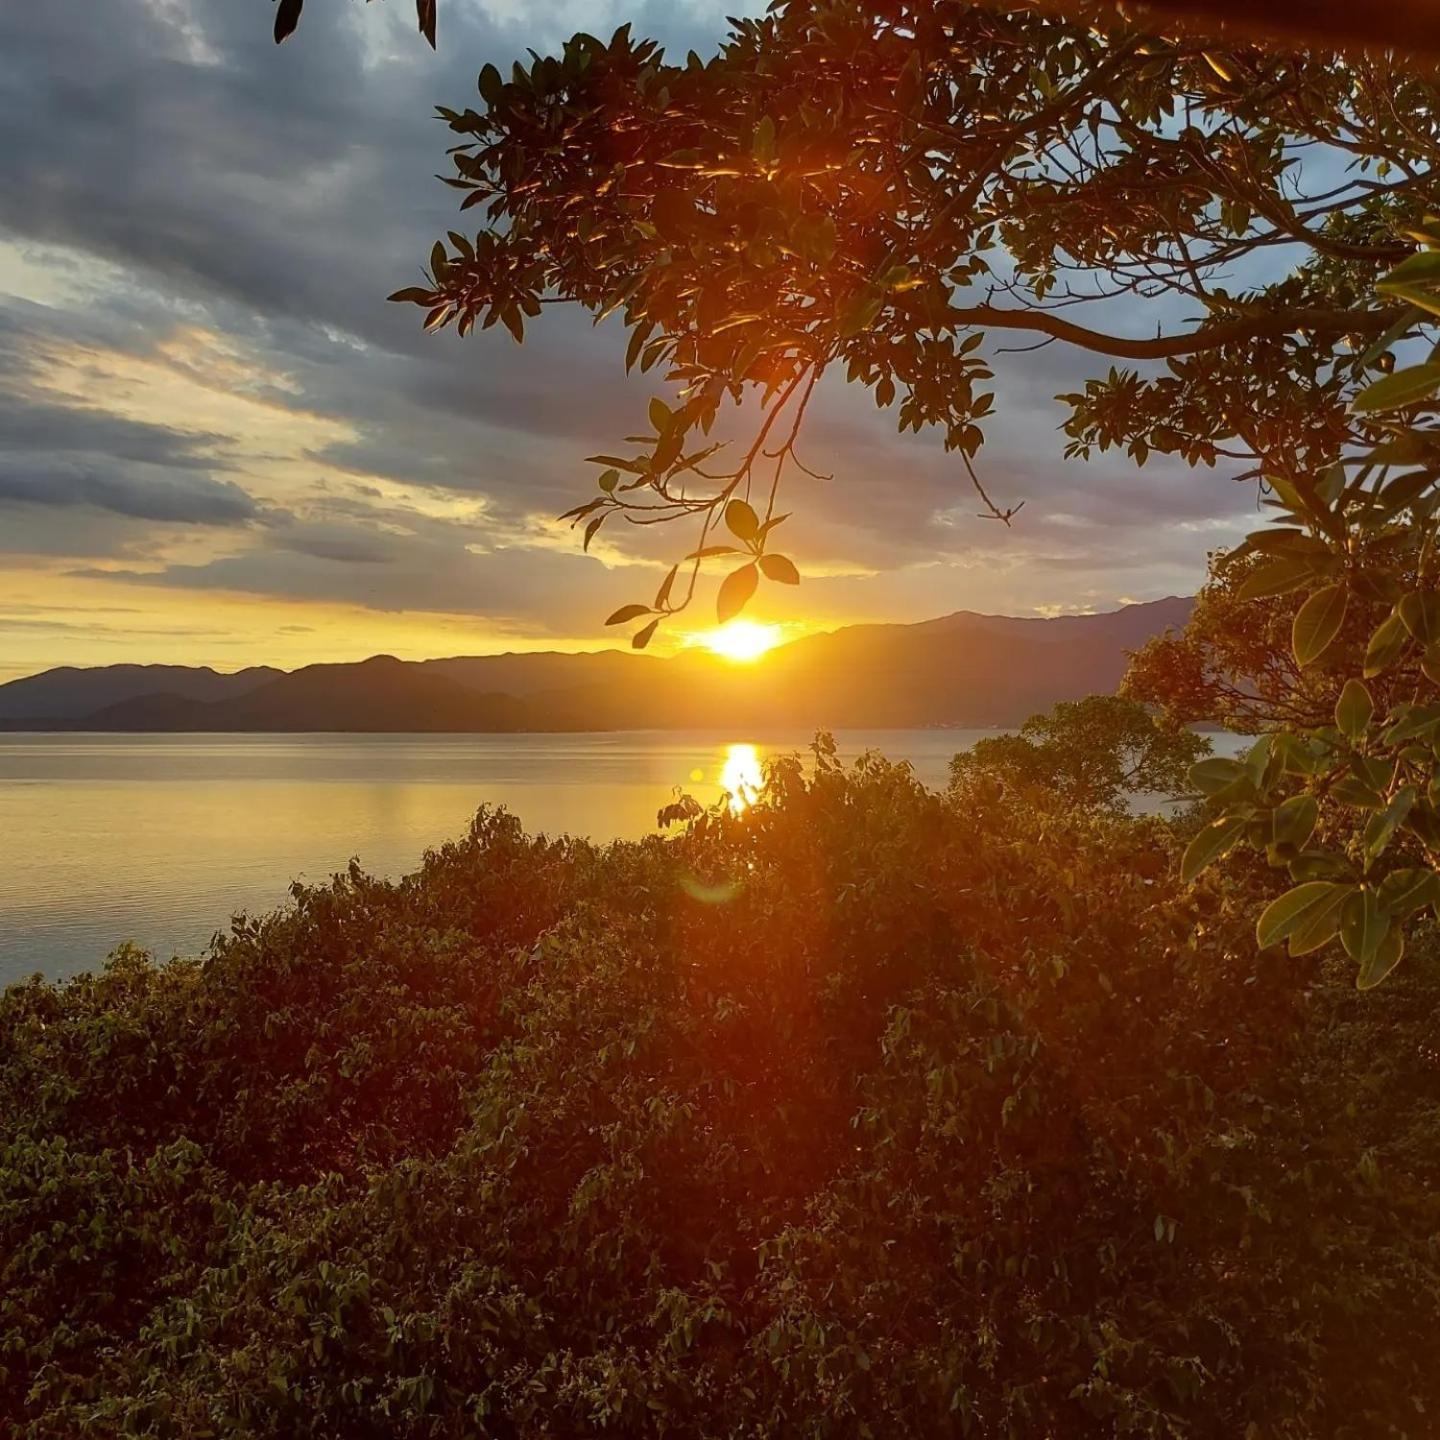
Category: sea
[161,839]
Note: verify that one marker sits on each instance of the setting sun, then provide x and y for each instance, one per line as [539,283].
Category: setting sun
[741,640]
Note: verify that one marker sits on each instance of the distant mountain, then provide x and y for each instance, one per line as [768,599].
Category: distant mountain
[71,694]
[960,670]
[380,694]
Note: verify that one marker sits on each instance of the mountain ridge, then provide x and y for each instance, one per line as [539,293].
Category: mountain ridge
[961,669]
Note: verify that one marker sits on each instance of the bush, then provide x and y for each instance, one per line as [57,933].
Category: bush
[869,1112]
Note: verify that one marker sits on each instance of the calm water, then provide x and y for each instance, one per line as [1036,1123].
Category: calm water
[160,838]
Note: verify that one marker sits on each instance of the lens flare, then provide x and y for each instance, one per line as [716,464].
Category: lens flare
[742,640]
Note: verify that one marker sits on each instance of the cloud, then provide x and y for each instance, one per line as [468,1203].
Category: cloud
[203,391]
[195,500]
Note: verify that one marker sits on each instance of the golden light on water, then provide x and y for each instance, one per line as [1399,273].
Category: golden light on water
[742,776]
[741,640]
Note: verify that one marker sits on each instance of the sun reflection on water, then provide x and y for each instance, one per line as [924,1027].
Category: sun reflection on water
[741,776]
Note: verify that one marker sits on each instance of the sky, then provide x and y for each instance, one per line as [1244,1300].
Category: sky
[219,445]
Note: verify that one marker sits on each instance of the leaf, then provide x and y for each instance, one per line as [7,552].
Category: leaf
[1215,840]
[1277,578]
[491,86]
[1382,826]
[1362,927]
[764,141]
[1404,387]
[425,12]
[1214,775]
[628,612]
[1420,613]
[609,479]
[592,527]
[1418,269]
[742,521]
[1402,892]
[1317,622]
[1283,917]
[413,295]
[642,637]
[660,416]
[1320,923]
[287,17]
[1354,710]
[1388,954]
[711,551]
[735,592]
[663,593]
[1386,645]
[1294,821]
[780,569]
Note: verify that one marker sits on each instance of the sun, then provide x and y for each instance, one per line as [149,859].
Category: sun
[741,640]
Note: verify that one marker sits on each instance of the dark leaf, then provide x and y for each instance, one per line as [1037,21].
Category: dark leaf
[735,592]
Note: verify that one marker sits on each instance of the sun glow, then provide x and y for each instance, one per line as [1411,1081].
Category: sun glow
[741,640]
[741,776]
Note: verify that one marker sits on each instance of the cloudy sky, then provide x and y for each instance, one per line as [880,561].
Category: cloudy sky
[218,445]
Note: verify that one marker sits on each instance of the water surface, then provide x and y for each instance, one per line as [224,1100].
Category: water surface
[159,839]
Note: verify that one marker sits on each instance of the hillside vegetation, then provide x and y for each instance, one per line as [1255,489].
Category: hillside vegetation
[870,1113]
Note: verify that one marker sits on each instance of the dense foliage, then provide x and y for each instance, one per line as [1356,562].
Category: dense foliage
[1098,753]
[868,1112]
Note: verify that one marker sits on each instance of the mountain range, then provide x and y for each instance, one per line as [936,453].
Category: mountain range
[964,669]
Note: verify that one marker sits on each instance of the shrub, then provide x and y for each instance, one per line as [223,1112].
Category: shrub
[868,1112]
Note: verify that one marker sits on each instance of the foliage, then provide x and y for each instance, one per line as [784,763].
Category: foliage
[886,190]
[869,1112]
[1343,792]
[1101,752]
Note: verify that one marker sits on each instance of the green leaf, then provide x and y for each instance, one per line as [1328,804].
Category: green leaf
[660,416]
[1317,623]
[1320,922]
[1277,578]
[1420,613]
[1382,826]
[1363,926]
[1354,710]
[780,569]
[628,612]
[1215,840]
[742,521]
[609,479]
[1416,270]
[1388,954]
[1293,910]
[1403,892]
[1294,821]
[1404,387]
[1386,646]
[1212,776]
[735,592]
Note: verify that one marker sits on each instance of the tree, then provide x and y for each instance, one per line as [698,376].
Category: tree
[894,192]
[1407,24]
[1095,754]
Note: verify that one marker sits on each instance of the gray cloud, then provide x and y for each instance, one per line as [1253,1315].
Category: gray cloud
[195,500]
[186,172]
